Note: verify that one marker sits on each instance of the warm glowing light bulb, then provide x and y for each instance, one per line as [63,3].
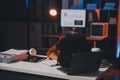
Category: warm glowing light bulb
[53,12]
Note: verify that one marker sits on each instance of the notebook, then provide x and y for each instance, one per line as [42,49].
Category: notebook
[83,63]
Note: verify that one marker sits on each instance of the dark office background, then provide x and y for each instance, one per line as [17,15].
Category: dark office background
[24,22]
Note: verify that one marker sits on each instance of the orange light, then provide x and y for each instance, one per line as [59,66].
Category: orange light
[53,12]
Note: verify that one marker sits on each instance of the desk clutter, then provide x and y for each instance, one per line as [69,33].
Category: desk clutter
[8,55]
[15,55]
[81,62]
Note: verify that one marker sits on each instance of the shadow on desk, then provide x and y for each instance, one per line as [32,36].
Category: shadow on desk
[10,75]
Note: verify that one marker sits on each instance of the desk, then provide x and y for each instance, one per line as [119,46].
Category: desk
[43,68]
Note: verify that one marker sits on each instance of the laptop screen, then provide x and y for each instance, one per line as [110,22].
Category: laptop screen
[84,62]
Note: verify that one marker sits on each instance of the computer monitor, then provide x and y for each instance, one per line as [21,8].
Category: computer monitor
[73,18]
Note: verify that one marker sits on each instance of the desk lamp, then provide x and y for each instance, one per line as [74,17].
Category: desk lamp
[98,32]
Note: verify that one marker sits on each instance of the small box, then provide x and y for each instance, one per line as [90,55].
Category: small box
[99,30]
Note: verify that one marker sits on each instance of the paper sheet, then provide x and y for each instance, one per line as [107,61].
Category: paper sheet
[14,51]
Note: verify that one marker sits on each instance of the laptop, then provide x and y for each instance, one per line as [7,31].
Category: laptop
[83,63]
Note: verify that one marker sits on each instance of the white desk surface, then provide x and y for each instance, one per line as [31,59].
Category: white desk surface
[44,69]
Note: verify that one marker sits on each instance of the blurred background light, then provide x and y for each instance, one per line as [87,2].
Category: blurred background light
[53,12]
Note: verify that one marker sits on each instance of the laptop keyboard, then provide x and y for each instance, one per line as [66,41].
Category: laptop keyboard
[89,74]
